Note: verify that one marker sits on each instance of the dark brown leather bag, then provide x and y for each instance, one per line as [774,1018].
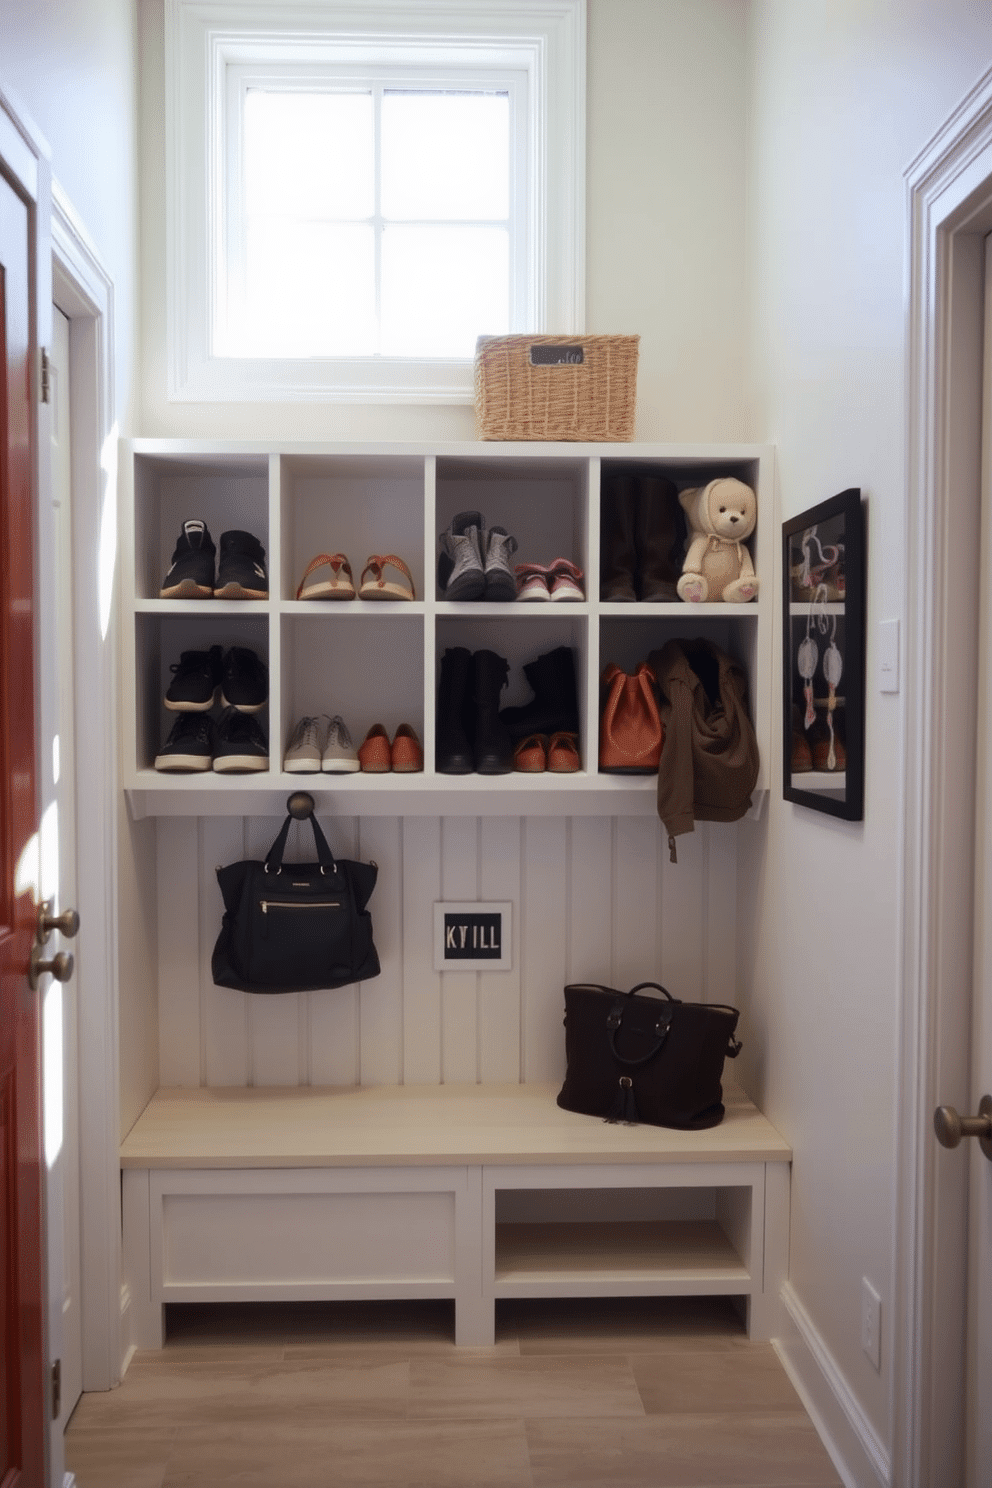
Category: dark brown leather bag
[650,1059]
[630,730]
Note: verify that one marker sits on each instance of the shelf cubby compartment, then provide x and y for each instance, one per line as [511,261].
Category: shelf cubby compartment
[356,505]
[544,506]
[227,492]
[369,668]
[162,635]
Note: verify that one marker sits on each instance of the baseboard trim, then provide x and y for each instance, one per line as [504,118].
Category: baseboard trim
[854,1446]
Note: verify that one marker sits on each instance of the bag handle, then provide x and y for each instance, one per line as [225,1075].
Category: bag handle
[662,1028]
[663,990]
[273,858]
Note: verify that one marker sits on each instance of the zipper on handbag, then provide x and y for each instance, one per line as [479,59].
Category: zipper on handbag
[267,904]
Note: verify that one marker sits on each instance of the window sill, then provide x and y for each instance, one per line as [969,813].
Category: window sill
[321,380]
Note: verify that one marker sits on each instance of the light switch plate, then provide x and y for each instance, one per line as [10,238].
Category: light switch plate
[888,656]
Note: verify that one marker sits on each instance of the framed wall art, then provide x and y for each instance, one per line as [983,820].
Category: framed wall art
[824,657]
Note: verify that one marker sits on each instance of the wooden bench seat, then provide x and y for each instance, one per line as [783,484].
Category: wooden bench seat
[467,1192]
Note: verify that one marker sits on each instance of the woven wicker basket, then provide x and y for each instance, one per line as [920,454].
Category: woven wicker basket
[556,387]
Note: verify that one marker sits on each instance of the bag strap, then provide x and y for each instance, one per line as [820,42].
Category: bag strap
[273,858]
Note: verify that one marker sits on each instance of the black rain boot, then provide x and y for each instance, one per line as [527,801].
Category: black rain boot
[453,753]
[554,707]
[660,534]
[493,746]
[617,550]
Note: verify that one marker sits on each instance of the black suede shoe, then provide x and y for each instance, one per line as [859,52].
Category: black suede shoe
[240,745]
[246,681]
[196,677]
[241,568]
[191,575]
[190,744]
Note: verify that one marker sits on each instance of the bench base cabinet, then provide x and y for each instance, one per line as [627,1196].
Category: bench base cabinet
[704,1222]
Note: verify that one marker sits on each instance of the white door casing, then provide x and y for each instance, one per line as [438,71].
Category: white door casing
[949,200]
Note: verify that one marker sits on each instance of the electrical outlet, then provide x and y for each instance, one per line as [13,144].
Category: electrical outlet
[871,1322]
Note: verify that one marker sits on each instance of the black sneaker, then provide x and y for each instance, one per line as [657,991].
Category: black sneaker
[241,568]
[245,684]
[189,745]
[195,679]
[192,573]
[240,745]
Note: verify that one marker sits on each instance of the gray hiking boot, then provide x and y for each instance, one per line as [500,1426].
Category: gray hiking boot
[501,581]
[460,572]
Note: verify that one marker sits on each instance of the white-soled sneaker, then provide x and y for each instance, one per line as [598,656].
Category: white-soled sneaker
[303,753]
[340,756]
[239,744]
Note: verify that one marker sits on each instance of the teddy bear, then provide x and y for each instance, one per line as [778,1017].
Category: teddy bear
[717,563]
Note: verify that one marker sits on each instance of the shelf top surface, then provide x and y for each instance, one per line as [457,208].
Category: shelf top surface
[685,453]
[419,1125]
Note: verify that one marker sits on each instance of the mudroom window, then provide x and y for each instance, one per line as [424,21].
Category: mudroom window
[357,192]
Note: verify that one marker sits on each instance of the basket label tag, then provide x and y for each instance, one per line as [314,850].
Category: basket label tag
[557,356]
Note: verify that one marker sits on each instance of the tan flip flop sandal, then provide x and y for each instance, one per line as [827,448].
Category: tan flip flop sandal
[340,585]
[379,588]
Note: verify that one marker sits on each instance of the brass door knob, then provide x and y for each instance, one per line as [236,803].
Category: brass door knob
[950,1127]
[61,967]
[67,923]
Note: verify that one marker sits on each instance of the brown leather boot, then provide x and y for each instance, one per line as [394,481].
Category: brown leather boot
[660,537]
[617,550]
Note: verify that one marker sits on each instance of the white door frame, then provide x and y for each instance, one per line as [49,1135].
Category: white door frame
[83,291]
[949,201]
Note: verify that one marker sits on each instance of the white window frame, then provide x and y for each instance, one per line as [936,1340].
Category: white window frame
[536,47]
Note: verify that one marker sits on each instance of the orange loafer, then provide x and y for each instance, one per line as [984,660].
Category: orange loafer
[407,753]
[530,755]
[374,753]
[563,754]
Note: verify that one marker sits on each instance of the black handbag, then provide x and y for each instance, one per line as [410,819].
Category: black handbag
[656,1060]
[295,927]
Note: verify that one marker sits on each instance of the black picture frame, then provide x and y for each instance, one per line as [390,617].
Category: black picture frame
[823,656]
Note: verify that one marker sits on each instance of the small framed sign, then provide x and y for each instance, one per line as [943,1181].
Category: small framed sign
[472,937]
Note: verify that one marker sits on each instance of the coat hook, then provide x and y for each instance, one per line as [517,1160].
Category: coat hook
[300,805]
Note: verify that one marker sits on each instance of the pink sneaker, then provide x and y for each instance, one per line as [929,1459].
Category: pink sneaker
[565,576]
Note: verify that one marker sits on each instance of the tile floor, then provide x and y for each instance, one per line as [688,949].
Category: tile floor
[650,1393]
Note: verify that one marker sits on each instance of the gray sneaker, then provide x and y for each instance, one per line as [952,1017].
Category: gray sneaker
[340,756]
[303,752]
[460,573]
[501,581]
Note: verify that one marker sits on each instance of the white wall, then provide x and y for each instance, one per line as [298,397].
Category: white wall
[844,96]
[665,233]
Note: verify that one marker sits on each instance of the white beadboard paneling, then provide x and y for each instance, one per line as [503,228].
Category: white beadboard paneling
[590,911]
[499,991]
[421,888]
[594,899]
[334,1011]
[180,951]
[380,1001]
[459,989]
[224,1028]
[636,910]
[542,940]
[682,940]
[720,887]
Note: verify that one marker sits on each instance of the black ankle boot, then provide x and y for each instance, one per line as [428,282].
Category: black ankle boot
[617,550]
[555,705]
[660,535]
[453,753]
[493,746]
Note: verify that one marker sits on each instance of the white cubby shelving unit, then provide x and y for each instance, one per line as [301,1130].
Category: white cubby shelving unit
[379,662]
[401,1138]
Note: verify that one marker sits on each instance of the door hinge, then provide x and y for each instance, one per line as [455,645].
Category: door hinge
[46,377]
[56,1389]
